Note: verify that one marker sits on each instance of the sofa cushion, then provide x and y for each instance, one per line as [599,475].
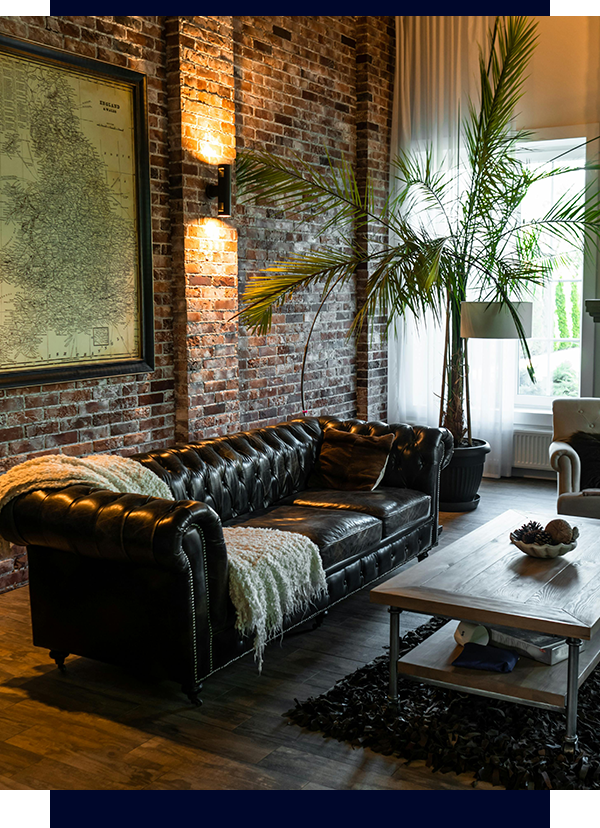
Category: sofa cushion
[395,508]
[349,461]
[338,534]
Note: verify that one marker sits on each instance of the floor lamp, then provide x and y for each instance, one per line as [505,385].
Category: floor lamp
[491,320]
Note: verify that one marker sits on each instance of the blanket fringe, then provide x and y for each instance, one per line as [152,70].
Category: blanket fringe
[272,574]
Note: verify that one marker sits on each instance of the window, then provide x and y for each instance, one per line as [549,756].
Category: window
[556,341]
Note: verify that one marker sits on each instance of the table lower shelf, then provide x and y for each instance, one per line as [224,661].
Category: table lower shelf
[529,683]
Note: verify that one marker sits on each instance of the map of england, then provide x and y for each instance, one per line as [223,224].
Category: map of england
[68,251]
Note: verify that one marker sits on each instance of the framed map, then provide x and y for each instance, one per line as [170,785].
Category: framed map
[75,234]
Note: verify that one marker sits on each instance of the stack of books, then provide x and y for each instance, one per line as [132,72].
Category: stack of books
[548,649]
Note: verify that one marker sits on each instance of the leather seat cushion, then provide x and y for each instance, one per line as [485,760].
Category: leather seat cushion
[338,534]
[395,508]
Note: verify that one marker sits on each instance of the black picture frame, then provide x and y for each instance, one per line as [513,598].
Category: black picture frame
[131,92]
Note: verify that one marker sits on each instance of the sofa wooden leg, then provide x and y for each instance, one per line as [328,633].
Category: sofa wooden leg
[59,657]
[422,556]
[192,691]
[319,620]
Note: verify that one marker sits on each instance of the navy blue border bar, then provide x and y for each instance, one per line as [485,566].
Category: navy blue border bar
[292,809]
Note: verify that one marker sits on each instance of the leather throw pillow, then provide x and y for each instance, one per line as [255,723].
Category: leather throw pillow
[587,447]
[350,461]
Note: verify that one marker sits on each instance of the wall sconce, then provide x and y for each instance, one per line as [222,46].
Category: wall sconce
[221,190]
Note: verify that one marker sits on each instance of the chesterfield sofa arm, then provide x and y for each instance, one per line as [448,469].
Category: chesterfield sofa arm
[124,578]
[98,523]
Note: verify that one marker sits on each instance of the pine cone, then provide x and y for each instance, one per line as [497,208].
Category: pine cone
[528,531]
[543,538]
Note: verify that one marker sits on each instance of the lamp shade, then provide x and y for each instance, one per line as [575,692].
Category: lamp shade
[493,320]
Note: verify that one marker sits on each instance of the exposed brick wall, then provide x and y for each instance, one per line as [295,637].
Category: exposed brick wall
[297,85]
[14,570]
[214,83]
[375,39]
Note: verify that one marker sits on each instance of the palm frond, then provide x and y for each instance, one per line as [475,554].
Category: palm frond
[574,219]
[293,185]
[489,140]
[420,187]
[275,286]
[406,279]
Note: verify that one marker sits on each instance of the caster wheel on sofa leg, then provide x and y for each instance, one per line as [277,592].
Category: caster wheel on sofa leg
[59,657]
[193,693]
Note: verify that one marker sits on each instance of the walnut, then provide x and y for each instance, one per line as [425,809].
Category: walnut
[560,531]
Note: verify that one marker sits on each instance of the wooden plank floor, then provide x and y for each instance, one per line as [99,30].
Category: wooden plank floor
[100,727]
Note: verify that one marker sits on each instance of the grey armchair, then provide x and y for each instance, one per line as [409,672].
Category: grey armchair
[568,416]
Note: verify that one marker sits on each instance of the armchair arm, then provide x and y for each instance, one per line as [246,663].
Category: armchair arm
[565,460]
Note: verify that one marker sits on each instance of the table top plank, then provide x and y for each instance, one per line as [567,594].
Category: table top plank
[483,577]
[447,559]
[575,587]
[513,575]
[481,573]
[587,605]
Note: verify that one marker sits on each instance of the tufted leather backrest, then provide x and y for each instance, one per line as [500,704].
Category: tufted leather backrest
[240,473]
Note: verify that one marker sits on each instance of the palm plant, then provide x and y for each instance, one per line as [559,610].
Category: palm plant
[449,231]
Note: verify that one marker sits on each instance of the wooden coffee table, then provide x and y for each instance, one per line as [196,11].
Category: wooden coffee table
[483,577]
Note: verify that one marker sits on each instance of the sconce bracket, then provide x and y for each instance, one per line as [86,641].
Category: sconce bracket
[221,190]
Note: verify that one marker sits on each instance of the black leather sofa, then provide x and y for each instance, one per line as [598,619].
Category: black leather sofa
[143,582]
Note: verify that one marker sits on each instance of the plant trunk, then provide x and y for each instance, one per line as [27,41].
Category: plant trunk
[454,419]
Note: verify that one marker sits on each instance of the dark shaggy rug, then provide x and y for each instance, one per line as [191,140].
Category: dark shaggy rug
[506,744]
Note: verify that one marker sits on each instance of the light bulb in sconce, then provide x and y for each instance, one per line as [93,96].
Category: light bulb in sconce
[221,190]
[211,229]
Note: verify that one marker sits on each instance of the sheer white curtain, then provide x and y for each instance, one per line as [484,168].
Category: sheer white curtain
[436,73]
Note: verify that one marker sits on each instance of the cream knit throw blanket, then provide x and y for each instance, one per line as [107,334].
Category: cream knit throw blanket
[104,471]
[271,574]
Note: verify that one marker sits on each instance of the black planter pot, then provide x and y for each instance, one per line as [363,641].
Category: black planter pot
[461,478]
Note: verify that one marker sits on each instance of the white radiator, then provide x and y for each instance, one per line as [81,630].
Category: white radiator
[530,449]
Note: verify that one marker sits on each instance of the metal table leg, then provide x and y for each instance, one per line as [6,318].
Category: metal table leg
[570,742]
[394,653]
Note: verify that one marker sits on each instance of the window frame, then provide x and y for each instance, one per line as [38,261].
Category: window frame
[531,410]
